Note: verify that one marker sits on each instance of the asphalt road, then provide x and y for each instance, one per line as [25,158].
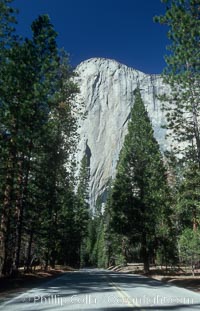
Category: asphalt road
[93,289]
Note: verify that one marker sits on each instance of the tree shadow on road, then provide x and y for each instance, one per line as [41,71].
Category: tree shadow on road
[97,284]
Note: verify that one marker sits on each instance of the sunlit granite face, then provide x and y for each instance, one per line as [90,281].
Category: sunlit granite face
[107,91]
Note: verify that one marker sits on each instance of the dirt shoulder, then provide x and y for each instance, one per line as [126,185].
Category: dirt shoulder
[189,282]
[177,277]
[13,286]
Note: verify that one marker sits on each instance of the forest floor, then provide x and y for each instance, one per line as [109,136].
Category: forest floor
[10,286]
[178,276]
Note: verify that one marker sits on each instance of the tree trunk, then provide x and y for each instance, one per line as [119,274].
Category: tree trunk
[195,104]
[4,224]
[20,204]
[194,219]
[144,253]
[18,215]
[6,215]
[196,131]
[28,257]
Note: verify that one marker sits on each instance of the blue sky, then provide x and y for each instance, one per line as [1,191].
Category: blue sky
[119,29]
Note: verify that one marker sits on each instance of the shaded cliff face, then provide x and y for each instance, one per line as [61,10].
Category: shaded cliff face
[107,91]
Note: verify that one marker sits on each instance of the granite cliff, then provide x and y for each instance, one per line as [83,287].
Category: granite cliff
[107,91]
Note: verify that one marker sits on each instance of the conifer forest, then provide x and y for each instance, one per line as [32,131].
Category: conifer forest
[152,210]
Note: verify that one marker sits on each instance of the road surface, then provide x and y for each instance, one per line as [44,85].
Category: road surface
[97,290]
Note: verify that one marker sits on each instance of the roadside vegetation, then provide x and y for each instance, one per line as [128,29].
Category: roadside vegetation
[40,213]
[152,213]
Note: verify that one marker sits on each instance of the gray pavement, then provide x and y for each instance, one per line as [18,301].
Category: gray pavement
[95,289]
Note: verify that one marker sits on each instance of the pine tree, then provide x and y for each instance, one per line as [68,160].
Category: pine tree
[189,248]
[36,111]
[7,22]
[7,39]
[82,206]
[52,183]
[188,207]
[139,205]
[182,73]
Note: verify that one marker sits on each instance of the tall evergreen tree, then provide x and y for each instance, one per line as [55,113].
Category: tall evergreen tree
[7,21]
[139,203]
[182,73]
[188,198]
[82,207]
[7,41]
[36,111]
[182,108]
